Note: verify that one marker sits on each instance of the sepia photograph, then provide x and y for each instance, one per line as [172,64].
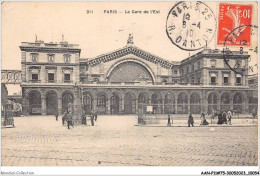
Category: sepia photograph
[129,83]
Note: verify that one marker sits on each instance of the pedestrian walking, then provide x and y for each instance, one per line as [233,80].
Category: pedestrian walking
[95,116]
[169,120]
[203,119]
[84,120]
[213,114]
[92,119]
[69,120]
[190,120]
[64,117]
[254,114]
[57,115]
[172,116]
[224,116]
[229,116]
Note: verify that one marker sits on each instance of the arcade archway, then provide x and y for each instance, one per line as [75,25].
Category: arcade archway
[130,105]
[67,102]
[114,104]
[35,102]
[87,103]
[182,101]
[51,102]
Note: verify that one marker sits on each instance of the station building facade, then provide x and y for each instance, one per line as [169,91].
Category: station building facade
[129,79]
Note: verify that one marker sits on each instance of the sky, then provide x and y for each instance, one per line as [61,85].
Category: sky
[96,33]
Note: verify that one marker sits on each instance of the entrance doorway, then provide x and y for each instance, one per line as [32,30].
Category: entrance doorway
[67,102]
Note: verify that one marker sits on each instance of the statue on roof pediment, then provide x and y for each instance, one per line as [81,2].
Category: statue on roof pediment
[130,39]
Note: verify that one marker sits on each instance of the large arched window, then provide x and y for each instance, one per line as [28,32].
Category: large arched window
[130,71]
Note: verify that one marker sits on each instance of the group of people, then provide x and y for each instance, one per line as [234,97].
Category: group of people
[93,116]
[224,117]
[67,117]
[202,117]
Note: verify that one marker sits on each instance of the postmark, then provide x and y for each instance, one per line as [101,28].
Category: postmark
[232,16]
[190,25]
[237,36]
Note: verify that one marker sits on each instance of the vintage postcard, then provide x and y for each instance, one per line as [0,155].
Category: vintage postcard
[151,83]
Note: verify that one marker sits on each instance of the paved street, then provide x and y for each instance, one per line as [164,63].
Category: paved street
[116,141]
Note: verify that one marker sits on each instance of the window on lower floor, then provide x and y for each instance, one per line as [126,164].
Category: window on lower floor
[67,78]
[50,77]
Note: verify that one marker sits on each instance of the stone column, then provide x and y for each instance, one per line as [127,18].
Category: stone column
[189,105]
[77,113]
[245,105]
[176,106]
[108,106]
[94,108]
[204,105]
[218,104]
[123,105]
[43,101]
[162,105]
[136,105]
[59,105]
[231,103]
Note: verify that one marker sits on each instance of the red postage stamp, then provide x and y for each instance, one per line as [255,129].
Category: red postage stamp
[232,18]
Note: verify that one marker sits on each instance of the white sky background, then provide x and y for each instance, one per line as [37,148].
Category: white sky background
[96,33]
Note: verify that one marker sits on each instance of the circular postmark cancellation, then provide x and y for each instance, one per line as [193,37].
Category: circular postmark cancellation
[246,37]
[191,25]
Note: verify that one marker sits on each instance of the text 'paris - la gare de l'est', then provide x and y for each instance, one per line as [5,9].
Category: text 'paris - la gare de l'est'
[126,11]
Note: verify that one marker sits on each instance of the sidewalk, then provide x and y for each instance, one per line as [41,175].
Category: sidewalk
[184,123]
